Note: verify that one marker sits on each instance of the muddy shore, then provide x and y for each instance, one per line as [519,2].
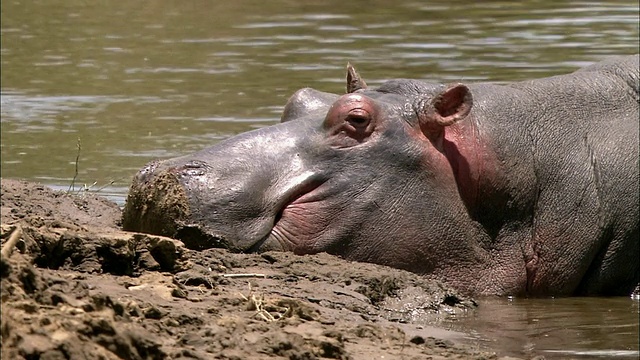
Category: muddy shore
[74,286]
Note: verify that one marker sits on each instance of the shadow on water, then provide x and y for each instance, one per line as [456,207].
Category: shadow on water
[560,328]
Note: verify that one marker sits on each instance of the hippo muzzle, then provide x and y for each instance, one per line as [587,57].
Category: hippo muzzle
[209,200]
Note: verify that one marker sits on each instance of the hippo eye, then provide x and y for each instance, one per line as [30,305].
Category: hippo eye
[358,118]
[351,117]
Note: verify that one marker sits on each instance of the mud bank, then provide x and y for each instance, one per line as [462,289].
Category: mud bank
[74,286]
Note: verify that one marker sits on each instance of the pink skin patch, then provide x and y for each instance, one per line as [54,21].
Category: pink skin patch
[305,219]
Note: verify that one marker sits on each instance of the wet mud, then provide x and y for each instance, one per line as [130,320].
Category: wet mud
[75,286]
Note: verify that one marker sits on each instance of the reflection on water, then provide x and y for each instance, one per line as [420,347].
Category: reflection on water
[136,81]
[563,328]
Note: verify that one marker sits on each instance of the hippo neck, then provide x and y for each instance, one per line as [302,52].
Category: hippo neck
[474,166]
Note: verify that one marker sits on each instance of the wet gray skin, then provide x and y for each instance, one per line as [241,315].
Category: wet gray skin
[525,188]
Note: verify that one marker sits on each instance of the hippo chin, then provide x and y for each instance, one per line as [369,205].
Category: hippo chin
[528,188]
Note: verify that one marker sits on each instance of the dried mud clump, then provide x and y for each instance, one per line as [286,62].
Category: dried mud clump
[156,207]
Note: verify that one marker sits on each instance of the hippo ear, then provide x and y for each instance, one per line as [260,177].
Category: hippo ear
[354,82]
[447,107]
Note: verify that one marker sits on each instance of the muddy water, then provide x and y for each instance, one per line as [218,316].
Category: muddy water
[563,328]
[136,81]
[116,84]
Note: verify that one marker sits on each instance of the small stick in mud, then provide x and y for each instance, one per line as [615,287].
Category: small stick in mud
[72,187]
[244,276]
[13,240]
[256,303]
[108,184]
[262,313]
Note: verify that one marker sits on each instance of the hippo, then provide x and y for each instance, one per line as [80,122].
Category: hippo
[520,189]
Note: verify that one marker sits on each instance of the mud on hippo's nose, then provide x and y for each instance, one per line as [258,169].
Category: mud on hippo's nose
[158,202]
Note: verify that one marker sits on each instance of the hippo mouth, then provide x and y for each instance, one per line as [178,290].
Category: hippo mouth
[292,229]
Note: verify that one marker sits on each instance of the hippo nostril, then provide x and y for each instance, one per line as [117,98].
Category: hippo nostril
[191,172]
[196,164]
[192,168]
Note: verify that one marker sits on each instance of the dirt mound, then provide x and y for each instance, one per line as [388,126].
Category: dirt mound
[76,287]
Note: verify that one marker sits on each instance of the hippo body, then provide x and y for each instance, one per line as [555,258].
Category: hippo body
[528,188]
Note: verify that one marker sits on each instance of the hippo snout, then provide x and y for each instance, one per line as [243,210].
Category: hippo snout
[203,203]
[192,169]
[158,203]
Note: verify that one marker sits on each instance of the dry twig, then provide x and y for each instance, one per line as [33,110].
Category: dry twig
[244,276]
[257,303]
[75,176]
[13,240]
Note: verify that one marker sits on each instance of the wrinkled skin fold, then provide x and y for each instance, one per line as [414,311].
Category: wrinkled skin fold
[527,188]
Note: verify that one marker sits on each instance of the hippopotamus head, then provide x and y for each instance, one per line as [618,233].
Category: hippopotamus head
[363,175]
